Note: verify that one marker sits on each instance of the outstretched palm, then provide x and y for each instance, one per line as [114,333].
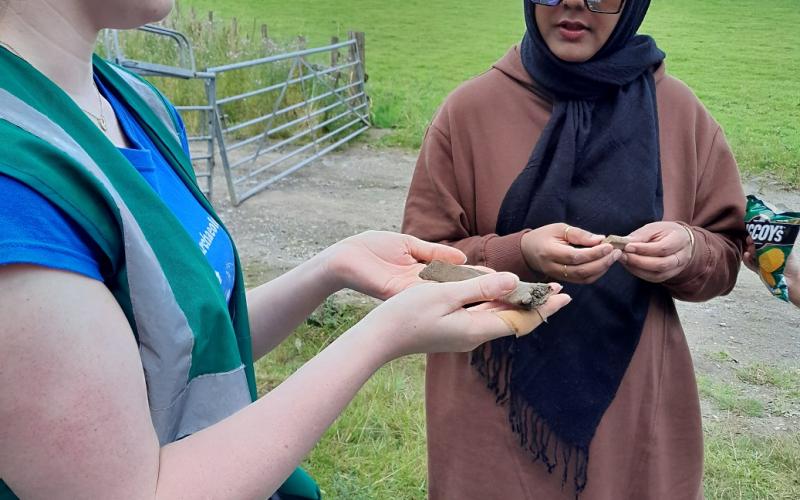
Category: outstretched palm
[382,264]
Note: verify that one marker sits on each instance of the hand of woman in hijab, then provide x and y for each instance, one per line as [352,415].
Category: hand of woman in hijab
[749,256]
[568,253]
[658,251]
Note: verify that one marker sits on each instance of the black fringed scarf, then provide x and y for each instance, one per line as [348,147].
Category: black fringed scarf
[597,167]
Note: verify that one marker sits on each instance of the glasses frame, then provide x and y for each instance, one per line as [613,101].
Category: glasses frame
[585,2]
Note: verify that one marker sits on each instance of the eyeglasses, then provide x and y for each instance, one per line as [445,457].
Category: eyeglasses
[598,6]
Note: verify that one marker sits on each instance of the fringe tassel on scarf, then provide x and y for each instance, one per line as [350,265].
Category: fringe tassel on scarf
[533,432]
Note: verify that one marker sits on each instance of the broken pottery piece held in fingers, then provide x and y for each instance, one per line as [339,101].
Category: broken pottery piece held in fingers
[617,242]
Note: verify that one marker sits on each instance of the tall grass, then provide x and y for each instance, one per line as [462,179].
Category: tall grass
[218,42]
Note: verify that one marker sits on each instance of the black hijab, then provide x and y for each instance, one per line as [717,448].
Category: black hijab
[596,166]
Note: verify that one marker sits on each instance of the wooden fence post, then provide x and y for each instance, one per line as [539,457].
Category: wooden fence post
[358,50]
[335,55]
[335,62]
[361,41]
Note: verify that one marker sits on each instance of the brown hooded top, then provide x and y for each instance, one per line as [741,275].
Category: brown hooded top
[649,442]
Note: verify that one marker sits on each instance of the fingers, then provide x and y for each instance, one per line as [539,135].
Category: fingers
[660,251]
[485,326]
[749,260]
[481,289]
[581,237]
[424,251]
[554,303]
[571,256]
[670,244]
[496,306]
[483,269]
[648,232]
[656,269]
[549,248]
[520,322]
[749,257]
[660,239]
[653,264]
[592,271]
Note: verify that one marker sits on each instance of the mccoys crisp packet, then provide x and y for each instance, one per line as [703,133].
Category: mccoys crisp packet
[774,235]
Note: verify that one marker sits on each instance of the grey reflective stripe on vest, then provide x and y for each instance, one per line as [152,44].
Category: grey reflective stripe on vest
[153,100]
[178,406]
[207,400]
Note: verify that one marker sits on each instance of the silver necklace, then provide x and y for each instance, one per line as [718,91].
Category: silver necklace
[100,120]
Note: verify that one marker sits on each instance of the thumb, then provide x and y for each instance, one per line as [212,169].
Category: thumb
[581,237]
[750,262]
[424,251]
[481,289]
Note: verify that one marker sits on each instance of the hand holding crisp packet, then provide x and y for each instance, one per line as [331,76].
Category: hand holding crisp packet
[770,253]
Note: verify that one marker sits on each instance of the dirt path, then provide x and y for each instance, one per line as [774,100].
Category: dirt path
[364,188]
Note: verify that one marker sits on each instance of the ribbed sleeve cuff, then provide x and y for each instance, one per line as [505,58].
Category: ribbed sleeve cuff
[696,272]
[504,253]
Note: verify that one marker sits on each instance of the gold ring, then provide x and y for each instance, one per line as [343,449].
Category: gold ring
[566,233]
[544,318]
[565,272]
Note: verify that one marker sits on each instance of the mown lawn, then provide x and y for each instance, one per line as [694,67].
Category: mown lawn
[742,58]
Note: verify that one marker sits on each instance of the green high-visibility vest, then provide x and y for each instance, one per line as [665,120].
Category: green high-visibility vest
[195,347]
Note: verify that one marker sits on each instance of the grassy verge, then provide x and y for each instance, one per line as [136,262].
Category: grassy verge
[741,58]
[781,378]
[778,386]
[748,467]
[376,449]
[217,41]
[729,398]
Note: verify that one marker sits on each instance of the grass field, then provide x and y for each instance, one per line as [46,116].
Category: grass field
[376,450]
[742,58]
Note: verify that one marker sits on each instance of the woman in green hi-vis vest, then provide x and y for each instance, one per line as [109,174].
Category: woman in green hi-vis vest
[127,343]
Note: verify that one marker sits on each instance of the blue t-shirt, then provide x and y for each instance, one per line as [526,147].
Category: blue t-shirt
[34,231]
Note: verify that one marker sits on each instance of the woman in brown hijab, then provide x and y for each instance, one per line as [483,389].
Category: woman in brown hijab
[575,135]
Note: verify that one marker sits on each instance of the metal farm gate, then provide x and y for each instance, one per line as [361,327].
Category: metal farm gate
[268,117]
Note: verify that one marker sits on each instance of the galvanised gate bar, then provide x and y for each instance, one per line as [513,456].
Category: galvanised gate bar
[266,118]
